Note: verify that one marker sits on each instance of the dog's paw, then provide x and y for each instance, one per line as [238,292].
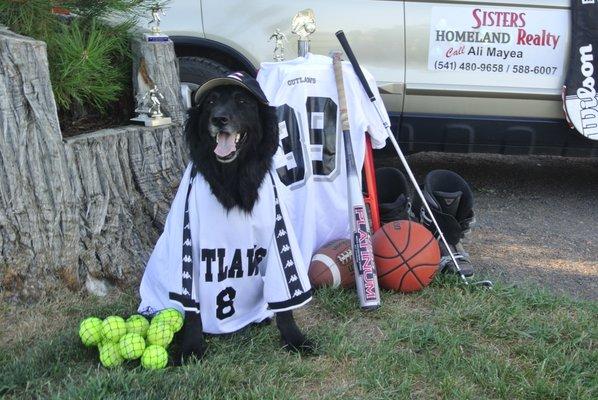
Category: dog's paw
[189,353]
[190,348]
[299,344]
[192,344]
[193,351]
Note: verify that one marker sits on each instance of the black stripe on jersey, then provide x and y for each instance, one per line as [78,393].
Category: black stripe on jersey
[293,301]
[187,270]
[187,303]
[284,251]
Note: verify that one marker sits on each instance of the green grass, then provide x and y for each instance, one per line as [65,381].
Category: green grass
[445,342]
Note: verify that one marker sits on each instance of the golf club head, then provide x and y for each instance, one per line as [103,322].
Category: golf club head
[485,284]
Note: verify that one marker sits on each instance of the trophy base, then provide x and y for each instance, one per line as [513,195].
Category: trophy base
[156,38]
[151,121]
[302,47]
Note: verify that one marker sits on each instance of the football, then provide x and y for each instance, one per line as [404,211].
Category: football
[332,265]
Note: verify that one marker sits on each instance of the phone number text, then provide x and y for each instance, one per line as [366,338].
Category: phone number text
[491,67]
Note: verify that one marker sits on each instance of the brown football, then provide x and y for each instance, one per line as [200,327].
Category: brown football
[332,265]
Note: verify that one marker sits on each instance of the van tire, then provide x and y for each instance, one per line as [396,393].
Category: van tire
[199,70]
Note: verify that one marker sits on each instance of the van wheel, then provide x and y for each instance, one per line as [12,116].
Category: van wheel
[195,71]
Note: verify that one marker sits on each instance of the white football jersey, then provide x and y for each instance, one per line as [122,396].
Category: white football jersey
[310,160]
[237,268]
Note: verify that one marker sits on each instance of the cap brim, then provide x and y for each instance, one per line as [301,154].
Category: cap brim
[225,81]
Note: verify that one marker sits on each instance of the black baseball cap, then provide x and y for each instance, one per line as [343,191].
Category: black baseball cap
[239,78]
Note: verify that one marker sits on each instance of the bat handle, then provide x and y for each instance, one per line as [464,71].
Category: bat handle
[340,86]
[349,52]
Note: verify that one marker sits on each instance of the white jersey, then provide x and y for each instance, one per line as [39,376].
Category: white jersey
[237,268]
[310,160]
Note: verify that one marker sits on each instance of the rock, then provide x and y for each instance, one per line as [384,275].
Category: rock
[98,287]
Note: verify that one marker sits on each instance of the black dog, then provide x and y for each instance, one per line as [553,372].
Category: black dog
[232,138]
[229,117]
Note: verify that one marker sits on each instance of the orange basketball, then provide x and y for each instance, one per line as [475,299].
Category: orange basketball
[407,256]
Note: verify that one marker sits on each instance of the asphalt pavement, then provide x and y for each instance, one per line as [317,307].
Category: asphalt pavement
[537,217]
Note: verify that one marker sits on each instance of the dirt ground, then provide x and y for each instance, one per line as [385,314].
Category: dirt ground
[537,217]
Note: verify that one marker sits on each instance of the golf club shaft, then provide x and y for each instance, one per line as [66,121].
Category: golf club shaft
[419,192]
[349,52]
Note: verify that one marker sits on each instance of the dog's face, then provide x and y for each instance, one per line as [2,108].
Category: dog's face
[230,115]
[232,138]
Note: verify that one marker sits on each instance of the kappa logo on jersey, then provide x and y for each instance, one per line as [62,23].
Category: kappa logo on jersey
[243,263]
[187,242]
[187,259]
[289,264]
[285,248]
[298,292]
[281,233]
[278,217]
[186,275]
[293,278]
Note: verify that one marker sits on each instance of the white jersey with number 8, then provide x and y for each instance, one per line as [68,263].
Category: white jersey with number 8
[245,266]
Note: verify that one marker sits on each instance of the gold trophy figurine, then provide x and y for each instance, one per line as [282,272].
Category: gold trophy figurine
[303,25]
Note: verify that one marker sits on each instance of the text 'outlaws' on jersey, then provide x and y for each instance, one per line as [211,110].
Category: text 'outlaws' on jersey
[237,268]
[310,159]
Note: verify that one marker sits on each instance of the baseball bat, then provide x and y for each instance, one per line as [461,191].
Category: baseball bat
[345,45]
[366,279]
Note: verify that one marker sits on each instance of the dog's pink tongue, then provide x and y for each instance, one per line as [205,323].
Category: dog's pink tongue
[226,145]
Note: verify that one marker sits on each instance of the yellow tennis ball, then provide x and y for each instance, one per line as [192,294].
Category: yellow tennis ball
[172,316]
[159,333]
[137,324]
[113,328]
[90,331]
[154,357]
[110,354]
[131,346]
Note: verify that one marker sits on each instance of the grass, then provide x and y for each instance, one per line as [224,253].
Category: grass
[445,342]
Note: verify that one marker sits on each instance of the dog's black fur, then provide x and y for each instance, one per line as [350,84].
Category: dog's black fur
[232,109]
[235,183]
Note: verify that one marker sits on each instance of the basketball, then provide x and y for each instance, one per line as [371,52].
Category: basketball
[407,256]
[332,265]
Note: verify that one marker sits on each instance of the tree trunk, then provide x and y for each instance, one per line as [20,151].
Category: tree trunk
[85,211]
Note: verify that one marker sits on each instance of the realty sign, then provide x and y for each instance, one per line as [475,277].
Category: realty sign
[498,40]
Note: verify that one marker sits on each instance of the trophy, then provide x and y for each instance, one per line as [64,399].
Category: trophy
[279,47]
[303,25]
[156,36]
[148,109]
